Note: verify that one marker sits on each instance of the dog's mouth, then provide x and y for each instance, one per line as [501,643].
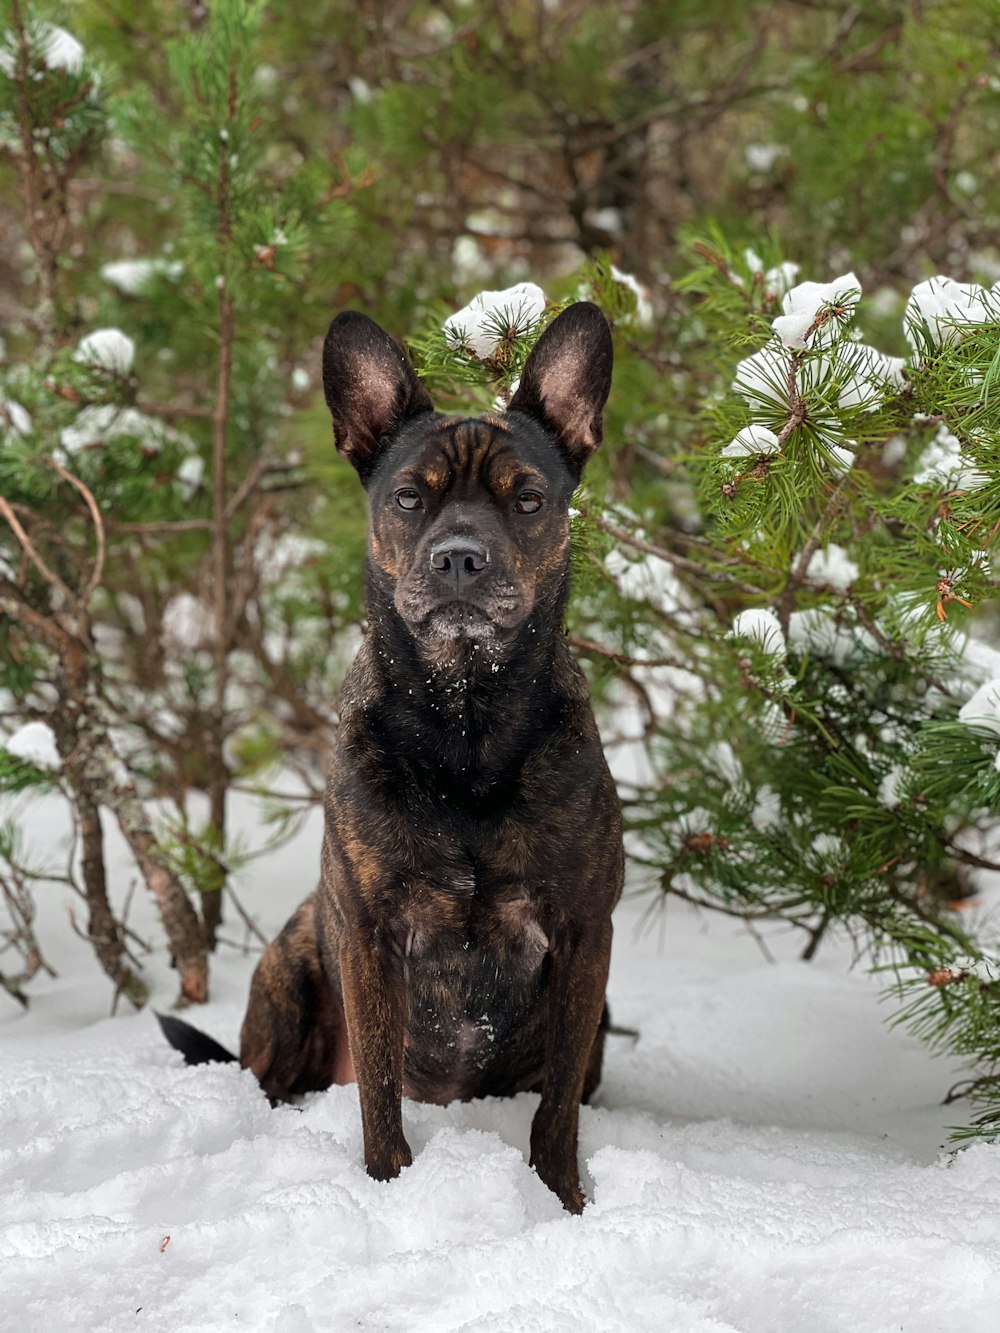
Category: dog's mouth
[459,620]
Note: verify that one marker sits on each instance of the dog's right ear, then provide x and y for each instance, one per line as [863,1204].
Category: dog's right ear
[371,389]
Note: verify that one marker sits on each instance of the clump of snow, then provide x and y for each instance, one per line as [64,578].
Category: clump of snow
[871,377]
[817,310]
[762,378]
[14,416]
[983,708]
[35,743]
[59,50]
[752,440]
[132,276]
[187,623]
[777,280]
[643,305]
[940,310]
[762,156]
[832,565]
[62,51]
[190,475]
[108,348]
[492,316]
[829,634]
[943,461]
[763,627]
[99,423]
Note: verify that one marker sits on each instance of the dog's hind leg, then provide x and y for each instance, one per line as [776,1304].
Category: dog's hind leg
[294,1036]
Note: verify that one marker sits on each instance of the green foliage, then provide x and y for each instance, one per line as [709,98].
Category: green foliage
[266,166]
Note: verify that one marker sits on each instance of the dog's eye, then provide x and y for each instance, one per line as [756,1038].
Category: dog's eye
[409,500]
[528,502]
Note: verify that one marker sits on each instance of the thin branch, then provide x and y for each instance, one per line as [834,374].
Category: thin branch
[95,513]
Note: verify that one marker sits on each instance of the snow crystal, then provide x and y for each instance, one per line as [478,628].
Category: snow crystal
[810,301]
[491,316]
[132,276]
[763,627]
[109,348]
[940,310]
[35,743]
[943,461]
[751,441]
[832,565]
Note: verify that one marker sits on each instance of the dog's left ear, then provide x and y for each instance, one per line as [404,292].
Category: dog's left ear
[567,378]
[371,389]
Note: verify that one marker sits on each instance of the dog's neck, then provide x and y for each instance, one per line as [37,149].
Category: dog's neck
[473,714]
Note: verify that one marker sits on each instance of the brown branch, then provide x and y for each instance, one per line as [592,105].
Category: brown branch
[50,577]
[95,514]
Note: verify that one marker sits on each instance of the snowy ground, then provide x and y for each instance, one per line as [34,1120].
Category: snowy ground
[766,1158]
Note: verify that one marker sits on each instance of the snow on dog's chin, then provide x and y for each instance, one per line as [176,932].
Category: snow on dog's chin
[459,620]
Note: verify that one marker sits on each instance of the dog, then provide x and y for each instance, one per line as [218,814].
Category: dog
[458,943]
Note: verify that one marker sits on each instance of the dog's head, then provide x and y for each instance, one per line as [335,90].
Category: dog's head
[469,517]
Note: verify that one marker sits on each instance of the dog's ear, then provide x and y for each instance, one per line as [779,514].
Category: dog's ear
[567,378]
[371,389]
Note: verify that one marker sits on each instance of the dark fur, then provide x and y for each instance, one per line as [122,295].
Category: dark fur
[458,943]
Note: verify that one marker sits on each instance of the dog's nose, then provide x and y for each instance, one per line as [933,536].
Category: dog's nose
[459,558]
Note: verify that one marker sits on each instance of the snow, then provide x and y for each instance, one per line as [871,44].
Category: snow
[62,51]
[643,306]
[488,317]
[983,708]
[766,1156]
[58,48]
[763,627]
[132,276]
[14,416]
[751,441]
[762,156]
[36,743]
[942,460]
[833,302]
[102,422]
[940,310]
[190,475]
[832,565]
[108,348]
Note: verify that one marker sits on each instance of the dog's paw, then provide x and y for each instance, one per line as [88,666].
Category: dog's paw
[387,1165]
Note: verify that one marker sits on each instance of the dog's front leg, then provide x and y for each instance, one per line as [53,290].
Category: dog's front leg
[577,979]
[375,1006]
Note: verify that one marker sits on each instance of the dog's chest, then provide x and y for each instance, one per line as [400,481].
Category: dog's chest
[474,979]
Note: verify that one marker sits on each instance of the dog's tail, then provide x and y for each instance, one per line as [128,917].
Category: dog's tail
[196,1047]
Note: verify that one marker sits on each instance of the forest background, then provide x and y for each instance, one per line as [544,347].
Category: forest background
[784,590]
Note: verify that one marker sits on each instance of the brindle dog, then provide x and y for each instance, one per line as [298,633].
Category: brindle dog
[458,943]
